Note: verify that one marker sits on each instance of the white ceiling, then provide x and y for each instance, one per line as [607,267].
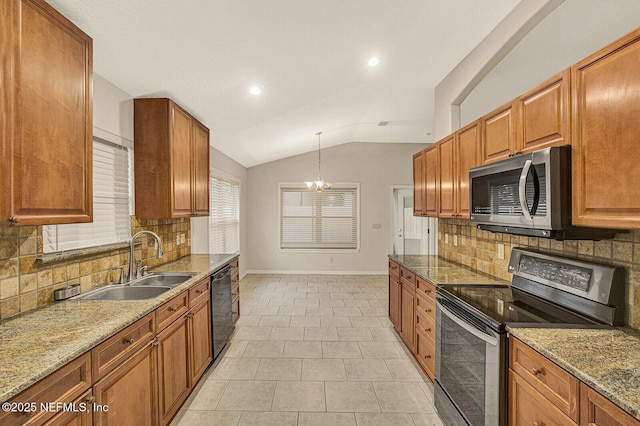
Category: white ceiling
[310,57]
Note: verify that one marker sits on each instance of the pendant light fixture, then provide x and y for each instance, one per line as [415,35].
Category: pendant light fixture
[318,184]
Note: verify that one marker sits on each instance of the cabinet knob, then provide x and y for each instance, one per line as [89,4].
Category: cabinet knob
[90,399]
[198,291]
[538,424]
[129,340]
[537,371]
[427,310]
[428,330]
[173,309]
[427,356]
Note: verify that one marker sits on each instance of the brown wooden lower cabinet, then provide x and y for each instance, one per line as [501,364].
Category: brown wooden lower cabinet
[394,300]
[82,416]
[129,391]
[407,315]
[200,339]
[173,368]
[542,393]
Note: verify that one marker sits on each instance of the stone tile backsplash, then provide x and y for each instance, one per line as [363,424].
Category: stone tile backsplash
[26,282]
[479,250]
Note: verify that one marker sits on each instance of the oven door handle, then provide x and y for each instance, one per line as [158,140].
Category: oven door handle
[471,329]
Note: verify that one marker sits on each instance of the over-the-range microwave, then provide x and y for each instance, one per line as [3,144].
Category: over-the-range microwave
[528,194]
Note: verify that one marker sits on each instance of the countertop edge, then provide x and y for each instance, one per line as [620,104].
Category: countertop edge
[149,306]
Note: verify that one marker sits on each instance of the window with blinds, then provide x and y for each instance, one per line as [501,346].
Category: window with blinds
[111,223]
[224,216]
[319,220]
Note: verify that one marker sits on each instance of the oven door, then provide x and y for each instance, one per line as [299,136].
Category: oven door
[469,368]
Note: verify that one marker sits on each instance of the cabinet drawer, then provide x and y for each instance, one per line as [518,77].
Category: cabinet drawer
[394,269]
[528,407]
[595,409]
[425,289]
[407,277]
[426,354]
[64,385]
[426,307]
[172,310]
[199,292]
[116,349]
[554,383]
[425,325]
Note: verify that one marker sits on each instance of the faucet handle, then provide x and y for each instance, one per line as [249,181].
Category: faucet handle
[137,268]
[121,278]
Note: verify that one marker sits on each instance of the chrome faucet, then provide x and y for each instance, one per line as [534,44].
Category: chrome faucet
[133,273]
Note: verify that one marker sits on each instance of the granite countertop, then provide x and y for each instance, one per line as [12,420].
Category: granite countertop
[606,360]
[37,343]
[438,271]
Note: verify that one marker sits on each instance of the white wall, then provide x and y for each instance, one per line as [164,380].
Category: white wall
[572,31]
[112,111]
[376,166]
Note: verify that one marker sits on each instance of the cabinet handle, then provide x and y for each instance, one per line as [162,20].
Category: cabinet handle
[427,291]
[129,340]
[538,424]
[427,356]
[537,371]
[428,330]
[198,291]
[173,309]
[12,219]
[427,310]
[90,399]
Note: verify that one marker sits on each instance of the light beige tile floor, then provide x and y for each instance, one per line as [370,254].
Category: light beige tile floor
[312,350]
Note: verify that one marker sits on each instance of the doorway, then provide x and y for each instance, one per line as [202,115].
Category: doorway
[411,234]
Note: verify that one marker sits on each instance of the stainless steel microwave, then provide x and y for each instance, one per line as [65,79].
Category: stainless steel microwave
[528,194]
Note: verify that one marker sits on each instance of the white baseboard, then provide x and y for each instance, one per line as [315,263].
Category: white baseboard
[288,272]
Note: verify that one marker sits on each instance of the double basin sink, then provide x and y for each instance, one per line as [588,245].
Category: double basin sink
[143,288]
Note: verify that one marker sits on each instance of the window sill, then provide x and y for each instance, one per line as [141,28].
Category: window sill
[74,254]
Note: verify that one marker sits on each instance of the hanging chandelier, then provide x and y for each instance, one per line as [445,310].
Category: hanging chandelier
[318,184]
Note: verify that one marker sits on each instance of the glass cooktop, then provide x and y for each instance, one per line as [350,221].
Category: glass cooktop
[509,306]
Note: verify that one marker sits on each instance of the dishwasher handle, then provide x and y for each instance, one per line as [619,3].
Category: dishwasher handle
[219,275]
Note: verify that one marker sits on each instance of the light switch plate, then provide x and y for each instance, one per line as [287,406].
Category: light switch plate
[455,240]
[500,251]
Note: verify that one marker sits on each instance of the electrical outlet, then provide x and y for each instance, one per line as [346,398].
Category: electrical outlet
[455,240]
[501,251]
[446,238]
[177,239]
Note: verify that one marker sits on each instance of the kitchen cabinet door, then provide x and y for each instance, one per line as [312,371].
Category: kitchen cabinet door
[46,116]
[499,133]
[544,114]
[467,155]
[418,184]
[407,315]
[394,301]
[171,154]
[129,391]
[446,176]
[431,171]
[180,131]
[200,344]
[605,154]
[76,418]
[174,377]
[200,179]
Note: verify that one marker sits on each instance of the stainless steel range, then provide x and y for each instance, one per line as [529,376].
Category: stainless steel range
[472,321]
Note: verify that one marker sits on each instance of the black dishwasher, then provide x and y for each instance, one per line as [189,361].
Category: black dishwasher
[222,321]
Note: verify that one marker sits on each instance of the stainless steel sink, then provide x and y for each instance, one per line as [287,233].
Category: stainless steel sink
[167,279]
[124,292]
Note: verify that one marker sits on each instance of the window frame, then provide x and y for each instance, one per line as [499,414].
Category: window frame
[302,186]
[218,174]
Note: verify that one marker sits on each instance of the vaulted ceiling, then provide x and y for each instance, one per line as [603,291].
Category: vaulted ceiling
[309,57]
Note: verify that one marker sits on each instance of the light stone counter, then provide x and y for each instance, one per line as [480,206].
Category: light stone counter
[37,343]
[437,270]
[606,360]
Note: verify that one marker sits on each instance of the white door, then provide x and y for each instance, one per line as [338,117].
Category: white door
[411,235]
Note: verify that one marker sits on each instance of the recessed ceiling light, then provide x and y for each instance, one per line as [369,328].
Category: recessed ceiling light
[373,61]
[255,90]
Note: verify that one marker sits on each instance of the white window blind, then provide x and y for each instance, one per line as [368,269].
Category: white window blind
[111,223]
[224,216]
[319,220]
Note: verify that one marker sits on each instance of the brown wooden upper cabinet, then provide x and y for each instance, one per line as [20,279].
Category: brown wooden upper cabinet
[431,170]
[171,152]
[425,182]
[418,184]
[534,120]
[457,153]
[606,131]
[46,116]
